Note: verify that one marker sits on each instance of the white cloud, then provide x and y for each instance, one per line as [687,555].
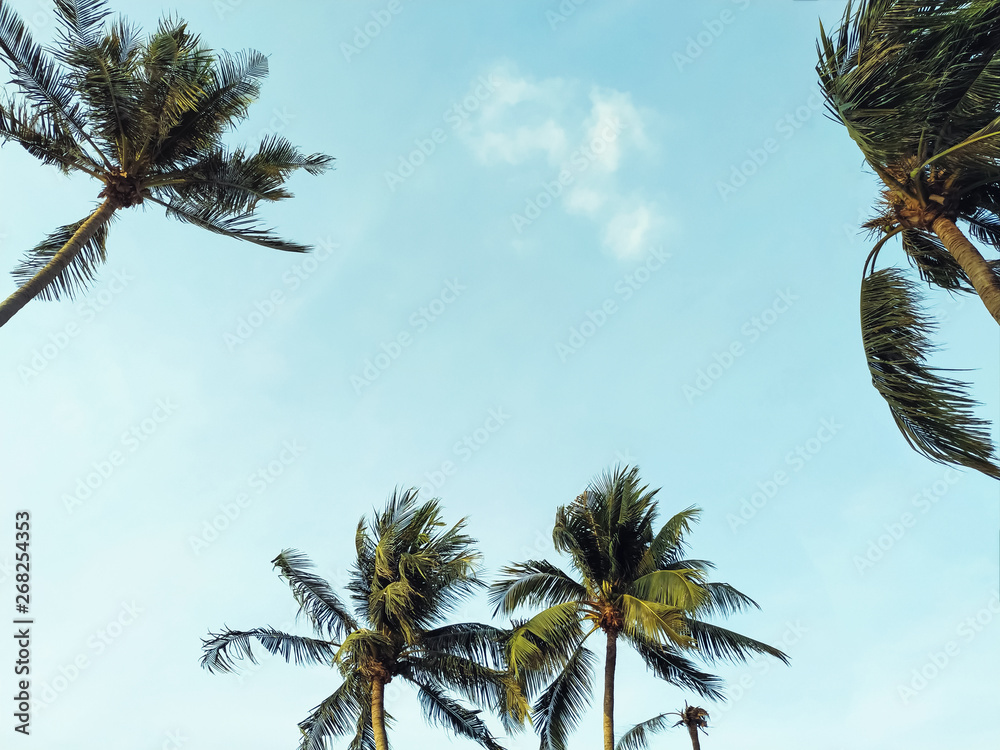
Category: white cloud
[582,200]
[549,125]
[627,233]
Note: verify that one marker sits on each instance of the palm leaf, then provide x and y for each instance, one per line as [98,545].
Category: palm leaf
[453,716]
[241,227]
[533,583]
[316,599]
[670,666]
[80,271]
[335,716]
[933,413]
[637,738]
[221,650]
[719,644]
[560,708]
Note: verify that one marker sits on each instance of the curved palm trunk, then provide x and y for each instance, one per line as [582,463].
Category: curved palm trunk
[693,731]
[610,658]
[26,292]
[378,715]
[983,278]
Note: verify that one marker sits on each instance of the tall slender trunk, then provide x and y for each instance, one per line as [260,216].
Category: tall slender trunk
[983,278]
[378,714]
[611,657]
[28,291]
[693,731]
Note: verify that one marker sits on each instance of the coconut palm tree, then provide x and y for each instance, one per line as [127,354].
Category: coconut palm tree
[692,717]
[917,84]
[144,116]
[411,572]
[634,583]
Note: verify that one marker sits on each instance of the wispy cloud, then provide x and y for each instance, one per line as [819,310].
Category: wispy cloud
[589,139]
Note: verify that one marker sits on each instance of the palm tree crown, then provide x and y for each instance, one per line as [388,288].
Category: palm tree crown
[634,583]
[411,572]
[145,117]
[917,84]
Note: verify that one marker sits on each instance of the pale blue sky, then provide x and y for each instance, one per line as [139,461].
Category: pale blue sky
[656,309]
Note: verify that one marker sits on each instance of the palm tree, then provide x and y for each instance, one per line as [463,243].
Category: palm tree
[410,573]
[917,84]
[144,117]
[635,584]
[692,717]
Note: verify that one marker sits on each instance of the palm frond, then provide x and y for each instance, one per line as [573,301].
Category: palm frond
[683,588]
[532,584]
[666,663]
[446,712]
[336,716]
[637,738]
[719,644]
[475,641]
[234,84]
[44,138]
[78,273]
[222,650]
[933,413]
[559,709]
[658,622]
[241,227]
[81,20]
[37,75]
[723,599]
[329,615]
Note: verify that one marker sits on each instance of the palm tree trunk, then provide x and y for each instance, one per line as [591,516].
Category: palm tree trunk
[611,657]
[28,291]
[693,731]
[378,714]
[983,278]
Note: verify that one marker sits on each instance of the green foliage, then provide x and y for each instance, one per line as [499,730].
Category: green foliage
[633,583]
[411,572]
[146,116]
[933,412]
[917,85]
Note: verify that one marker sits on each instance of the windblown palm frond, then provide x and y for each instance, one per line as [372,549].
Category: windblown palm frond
[917,85]
[637,738]
[933,412]
[144,116]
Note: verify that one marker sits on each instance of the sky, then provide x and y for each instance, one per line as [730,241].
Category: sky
[560,236]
